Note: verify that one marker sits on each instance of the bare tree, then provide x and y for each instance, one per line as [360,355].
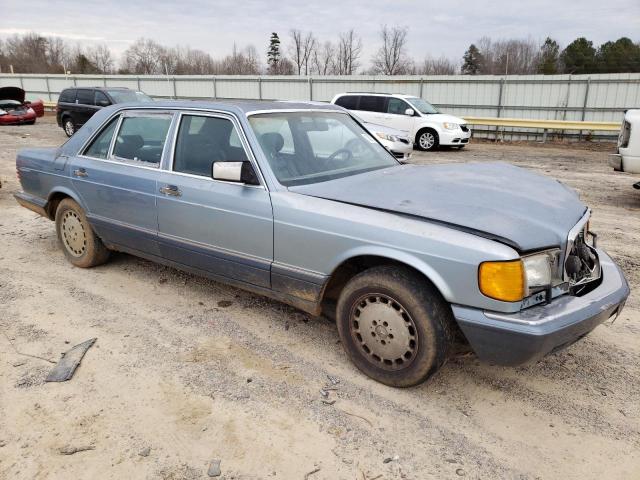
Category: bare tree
[301,49]
[437,66]
[348,53]
[143,57]
[513,56]
[101,57]
[391,58]
[323,60]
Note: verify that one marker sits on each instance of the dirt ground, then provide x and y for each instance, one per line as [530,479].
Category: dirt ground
[186,370]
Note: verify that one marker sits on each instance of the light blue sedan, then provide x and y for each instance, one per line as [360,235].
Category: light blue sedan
[301,203]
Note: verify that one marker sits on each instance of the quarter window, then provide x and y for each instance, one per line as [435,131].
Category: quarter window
[68,96]
[99,148]
[202,141]
[141,138]
[350,102]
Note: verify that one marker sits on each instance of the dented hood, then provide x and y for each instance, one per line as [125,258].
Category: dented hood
[12,93]
[496,200]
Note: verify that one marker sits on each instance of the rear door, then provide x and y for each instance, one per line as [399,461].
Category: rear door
[85,106]
[116,178]
[220,227]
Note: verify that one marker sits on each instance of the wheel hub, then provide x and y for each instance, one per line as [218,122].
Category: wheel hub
[73,234]
[385,331]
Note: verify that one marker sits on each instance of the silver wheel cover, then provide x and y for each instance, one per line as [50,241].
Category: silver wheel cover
[384,331]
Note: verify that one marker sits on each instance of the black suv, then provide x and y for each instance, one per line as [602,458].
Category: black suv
[78,104]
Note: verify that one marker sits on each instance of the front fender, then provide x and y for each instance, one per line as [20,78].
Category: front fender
[399,256]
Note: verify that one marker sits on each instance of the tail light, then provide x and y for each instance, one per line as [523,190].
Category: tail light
[18,175]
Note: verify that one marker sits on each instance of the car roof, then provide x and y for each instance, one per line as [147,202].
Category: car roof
[377,94]
[82,87]
[237,106]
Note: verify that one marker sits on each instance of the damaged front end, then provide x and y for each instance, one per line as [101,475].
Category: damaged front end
[582,268]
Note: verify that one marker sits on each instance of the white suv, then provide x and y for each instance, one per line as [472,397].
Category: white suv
[426,126]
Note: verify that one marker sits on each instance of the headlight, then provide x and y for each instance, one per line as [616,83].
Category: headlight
[513,280]
[450,126]
[537,269]
[3,112]
[384,136]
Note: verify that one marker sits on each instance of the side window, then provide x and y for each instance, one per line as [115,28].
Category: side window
[101,99]
[141,138]
[99,148]
[350,102]
[372,104]
[202,141]
[397,106]
[68,96]
[85,97]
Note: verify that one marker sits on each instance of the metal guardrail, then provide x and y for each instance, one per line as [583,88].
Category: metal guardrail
[544,124]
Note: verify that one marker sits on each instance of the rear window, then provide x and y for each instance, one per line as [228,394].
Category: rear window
[372,104]
[141,138]
[85,97]
[350,102]
[68,96]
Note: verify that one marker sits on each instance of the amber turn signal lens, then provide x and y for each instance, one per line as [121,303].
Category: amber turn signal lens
[502,280]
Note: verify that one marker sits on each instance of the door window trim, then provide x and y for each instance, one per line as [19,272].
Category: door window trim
[137,163]
[241,135]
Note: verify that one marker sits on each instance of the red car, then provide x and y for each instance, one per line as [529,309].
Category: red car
[14,110]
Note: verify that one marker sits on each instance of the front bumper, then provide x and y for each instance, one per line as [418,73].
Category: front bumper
[455,137]
[526,336]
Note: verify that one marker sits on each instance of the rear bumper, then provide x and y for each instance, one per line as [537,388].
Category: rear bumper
[17,119]
[34,204]
[527,336]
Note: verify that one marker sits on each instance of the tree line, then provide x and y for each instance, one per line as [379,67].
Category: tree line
[304,54]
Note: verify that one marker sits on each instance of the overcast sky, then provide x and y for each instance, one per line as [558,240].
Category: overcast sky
[435,27]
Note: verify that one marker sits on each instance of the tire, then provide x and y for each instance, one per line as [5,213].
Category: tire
[427,139]
[461,147]
[68,126]
[80,244]
[407,333]
[30,122]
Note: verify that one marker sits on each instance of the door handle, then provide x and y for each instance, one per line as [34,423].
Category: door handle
[170,190]
[80,172]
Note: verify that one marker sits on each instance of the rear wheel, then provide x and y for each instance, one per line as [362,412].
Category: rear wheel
[80,244]
[427,139]
[68,126]
[394,325]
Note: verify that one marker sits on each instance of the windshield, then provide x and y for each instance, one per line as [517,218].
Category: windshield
[422,105]
[124,96]
[312,147]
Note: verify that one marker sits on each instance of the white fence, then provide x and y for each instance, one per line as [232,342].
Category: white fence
[597,97]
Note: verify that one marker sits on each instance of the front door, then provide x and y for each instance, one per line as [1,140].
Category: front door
[395,116]
[218,227]
[116,178]
[85,106]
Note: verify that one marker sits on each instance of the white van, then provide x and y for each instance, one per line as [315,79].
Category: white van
[627,158]
[426,125]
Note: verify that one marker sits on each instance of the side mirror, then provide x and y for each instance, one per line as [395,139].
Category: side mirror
[103,103]
[241,172]
[409,112]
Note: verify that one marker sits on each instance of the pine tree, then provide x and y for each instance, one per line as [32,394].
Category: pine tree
[549,57]
[472,61]
[579,57]
[273,54]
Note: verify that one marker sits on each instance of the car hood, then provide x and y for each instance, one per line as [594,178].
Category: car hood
[12,93]
[444,117]
[495,200]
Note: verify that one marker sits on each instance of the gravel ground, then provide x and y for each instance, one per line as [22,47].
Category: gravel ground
[187,371]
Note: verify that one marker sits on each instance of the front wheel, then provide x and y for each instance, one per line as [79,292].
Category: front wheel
[427,139]
[80,244]
[68,127]
[394,325]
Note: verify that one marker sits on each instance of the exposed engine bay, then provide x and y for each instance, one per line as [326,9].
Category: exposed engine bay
[581,265]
